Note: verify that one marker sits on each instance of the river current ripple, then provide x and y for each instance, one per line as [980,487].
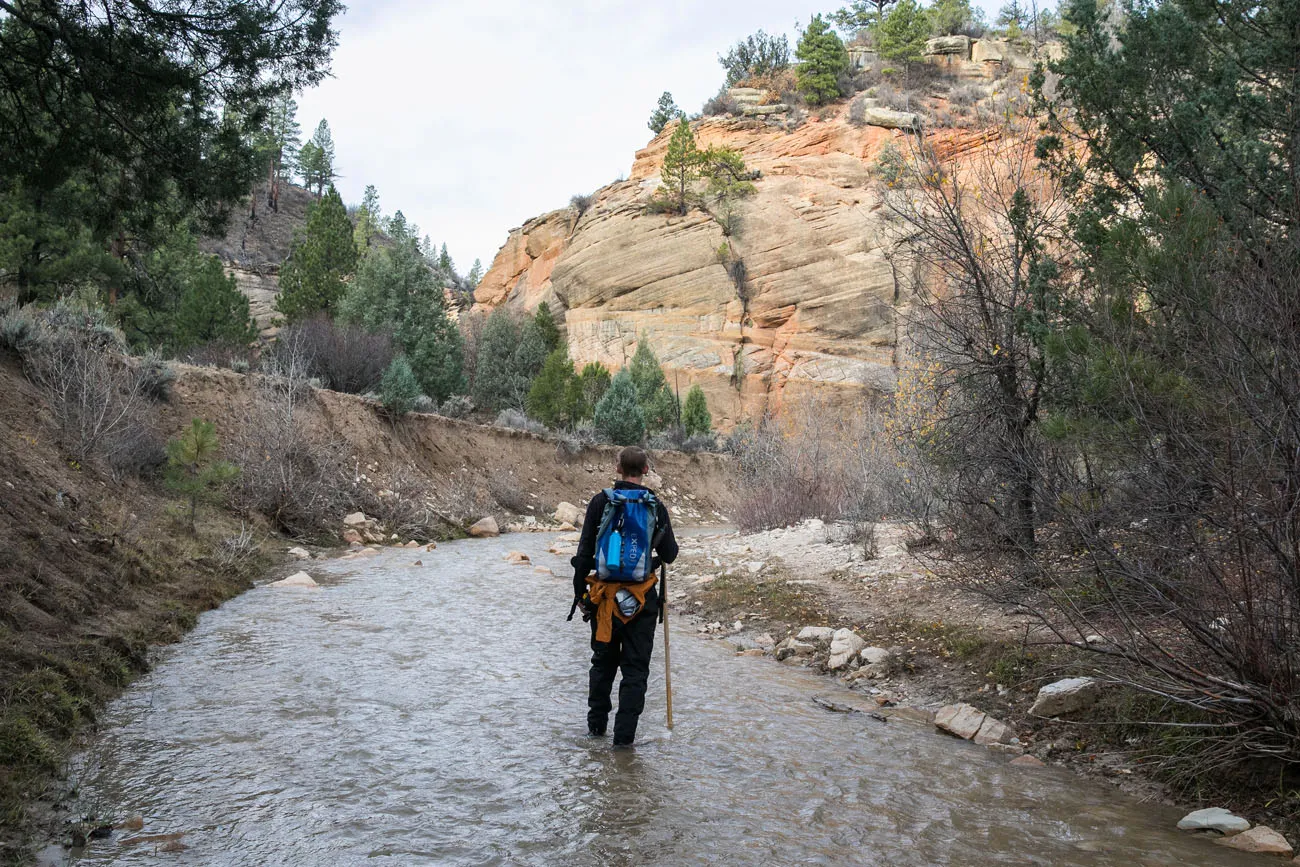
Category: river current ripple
[434,714]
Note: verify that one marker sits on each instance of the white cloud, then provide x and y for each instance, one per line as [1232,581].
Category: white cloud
[471,118]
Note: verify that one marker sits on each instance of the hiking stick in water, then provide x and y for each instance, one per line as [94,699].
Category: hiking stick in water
[668,668]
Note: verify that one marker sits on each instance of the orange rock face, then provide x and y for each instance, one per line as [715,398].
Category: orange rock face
[816,311]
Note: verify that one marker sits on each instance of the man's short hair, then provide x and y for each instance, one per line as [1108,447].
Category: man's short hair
[633,462]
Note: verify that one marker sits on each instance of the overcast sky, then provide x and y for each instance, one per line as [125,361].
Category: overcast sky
[471,118]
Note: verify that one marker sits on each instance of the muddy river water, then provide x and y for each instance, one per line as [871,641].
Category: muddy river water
[434,714]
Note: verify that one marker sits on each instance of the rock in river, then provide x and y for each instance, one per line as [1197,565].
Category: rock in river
[1213,819]
[485,527]
[297,579]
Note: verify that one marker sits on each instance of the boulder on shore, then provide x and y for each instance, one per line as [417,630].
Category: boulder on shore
[356,519]
[815,633]
[1213,819]
[567,513]
[485,527]
[1066,696]
[993,731]
[1260,839]
[845,644]
[962,720]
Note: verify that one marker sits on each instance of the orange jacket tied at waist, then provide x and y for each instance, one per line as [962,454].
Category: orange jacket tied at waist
[602,595]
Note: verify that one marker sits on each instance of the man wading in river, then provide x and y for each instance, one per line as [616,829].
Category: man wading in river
[625,536]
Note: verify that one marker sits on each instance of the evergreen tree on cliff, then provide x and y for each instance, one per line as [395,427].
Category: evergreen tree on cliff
[321,258]
[279,146]
[902,35]
[664,112]
[681,169]
[593,382]
[554,397]
[618,416]
[396,291]
[510,354]
[212,309]
[316,160]
[822,58]
[696,419]
[658,404]
[860,15]
[546,327]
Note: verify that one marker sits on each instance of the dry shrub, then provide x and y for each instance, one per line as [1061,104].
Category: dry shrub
[405,506]
[343,357]
[816,460]
[218,354]
[298,479]
[97,397]
[508,494]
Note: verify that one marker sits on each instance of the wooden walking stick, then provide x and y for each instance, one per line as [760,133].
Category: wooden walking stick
[668,669]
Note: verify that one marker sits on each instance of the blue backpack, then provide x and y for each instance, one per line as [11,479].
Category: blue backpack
[627,533]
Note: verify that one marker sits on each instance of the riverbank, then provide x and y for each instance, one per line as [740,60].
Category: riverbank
[936,645]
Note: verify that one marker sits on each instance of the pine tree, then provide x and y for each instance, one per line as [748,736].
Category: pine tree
[1013,16]
[212,309]
[592,384]
[546,327]
[902,35]
[658,404]
[395,291]
[664,112]
[316,161]
[445,265]
[319,262]
[681,169]
[695,414]
[860,15]
[475,275]
[822,58]
[279,145]
[948,17]
[399,390]
[618,415]
[192,466]
[509,355]
[551,400]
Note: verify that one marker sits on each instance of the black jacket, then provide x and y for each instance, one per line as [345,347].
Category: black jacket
[584,562]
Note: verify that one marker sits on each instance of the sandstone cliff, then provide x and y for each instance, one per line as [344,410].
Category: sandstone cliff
[820,294]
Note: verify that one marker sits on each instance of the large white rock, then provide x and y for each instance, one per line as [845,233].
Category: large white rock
[356,519]
[300,553]
[815,633]
[962,720]
[297,579]
[567,513]
[1260,839]
[845,644]
[1213,819]
[1066,696]
[485,527]
[889,119]
[950,45]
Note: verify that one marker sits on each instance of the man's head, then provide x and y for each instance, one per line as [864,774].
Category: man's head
[633,463]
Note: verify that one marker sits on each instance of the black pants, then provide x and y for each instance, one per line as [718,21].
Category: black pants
[629,649]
